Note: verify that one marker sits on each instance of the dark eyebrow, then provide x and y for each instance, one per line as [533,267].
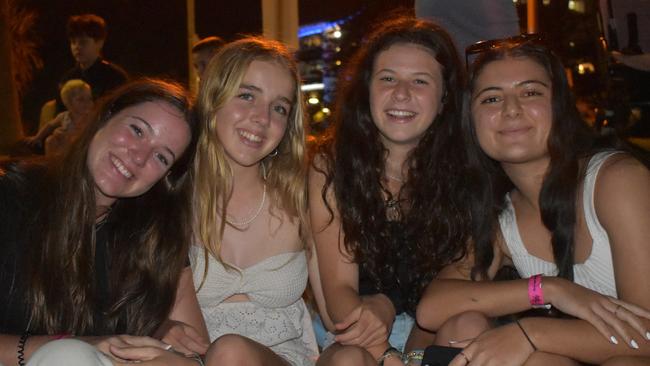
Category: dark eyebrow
[533,81]
[522,83]
[151,130]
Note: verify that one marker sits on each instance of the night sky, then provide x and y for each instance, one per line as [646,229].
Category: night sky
[148,37]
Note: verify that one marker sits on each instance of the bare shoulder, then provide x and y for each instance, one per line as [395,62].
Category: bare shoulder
[620,176]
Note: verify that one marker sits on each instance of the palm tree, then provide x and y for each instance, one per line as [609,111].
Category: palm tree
[18,61]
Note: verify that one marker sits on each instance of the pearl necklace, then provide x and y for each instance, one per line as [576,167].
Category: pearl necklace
[247,221]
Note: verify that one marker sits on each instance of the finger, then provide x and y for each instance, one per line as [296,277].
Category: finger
[375,337]
[603,320]
[459,360]
[193,347]
[347,338]
[617,323]
[134,353]
[460,344]
[634,309]
[633,321]
[352,318]
[138,341]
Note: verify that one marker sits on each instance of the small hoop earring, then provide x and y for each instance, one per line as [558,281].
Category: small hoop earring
[273,153]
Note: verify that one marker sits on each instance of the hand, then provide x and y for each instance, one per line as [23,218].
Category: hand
[603,312]
[368,324]
[104,344]
[147,355]
[183,337]
[502,346]
[33,142]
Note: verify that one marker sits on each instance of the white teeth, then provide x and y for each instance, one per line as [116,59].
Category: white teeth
[121,168]
[249,136]
[400,113]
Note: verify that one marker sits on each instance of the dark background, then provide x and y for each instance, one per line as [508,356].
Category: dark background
[149,37]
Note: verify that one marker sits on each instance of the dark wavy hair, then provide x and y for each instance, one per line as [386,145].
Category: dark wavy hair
[147,248]
[570,143]
[434,211]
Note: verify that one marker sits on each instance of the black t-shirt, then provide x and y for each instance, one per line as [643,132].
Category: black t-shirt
[102,76]
[18,203]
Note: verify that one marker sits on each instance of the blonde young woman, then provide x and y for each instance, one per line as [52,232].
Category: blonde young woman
[251,269]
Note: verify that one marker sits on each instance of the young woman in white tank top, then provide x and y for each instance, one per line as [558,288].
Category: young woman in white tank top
[574,222]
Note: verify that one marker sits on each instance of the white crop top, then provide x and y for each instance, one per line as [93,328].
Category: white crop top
[597,272]
[274,282]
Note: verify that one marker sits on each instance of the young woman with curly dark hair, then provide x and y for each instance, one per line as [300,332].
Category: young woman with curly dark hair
[388,207]
[560,206]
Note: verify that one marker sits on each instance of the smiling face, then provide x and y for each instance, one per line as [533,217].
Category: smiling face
[251,124]
[135,149]
[406,90]
[512,110]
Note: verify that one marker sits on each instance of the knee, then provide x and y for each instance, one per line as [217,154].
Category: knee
[229,349]
[463,326]
[67,352]
[627,361]
[338,355]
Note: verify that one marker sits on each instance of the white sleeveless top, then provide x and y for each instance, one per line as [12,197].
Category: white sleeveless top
[275,316]
[597,272]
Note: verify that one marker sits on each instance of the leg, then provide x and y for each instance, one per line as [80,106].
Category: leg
[544,359]
[464,326]
[236,350]
[71,352]
[338,355]
[627,361]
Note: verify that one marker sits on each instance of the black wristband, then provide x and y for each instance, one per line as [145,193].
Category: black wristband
[21,348]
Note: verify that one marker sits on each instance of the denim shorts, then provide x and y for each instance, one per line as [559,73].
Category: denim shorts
[398,335]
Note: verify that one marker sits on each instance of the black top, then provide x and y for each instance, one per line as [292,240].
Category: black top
[398,282]
[102,76]
[18,203]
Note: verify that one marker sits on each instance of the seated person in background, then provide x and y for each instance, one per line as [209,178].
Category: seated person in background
[203,51]
[567,212]
[250,269]
[87,33]
[386,191]
[58,133]
[93,243]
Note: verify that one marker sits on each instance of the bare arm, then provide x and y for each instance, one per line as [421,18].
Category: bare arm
[622,200]
[317,289]
[185,328]
[339,275]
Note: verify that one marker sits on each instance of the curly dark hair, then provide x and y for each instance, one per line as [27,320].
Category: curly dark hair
[571,142]
[435,214]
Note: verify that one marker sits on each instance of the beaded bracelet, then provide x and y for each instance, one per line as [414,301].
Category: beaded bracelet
[21,348]
[389,352]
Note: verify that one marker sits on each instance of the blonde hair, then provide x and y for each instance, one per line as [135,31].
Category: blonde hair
[71,88]
[286,171]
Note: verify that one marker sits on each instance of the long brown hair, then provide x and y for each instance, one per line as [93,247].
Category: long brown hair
[147,248]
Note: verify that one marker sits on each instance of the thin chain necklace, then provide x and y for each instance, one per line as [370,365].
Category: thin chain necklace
[247,221]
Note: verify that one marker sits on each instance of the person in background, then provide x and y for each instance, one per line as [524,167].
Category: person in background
[203,51]
[387,197]
[570,212]
[87,34]
[57,134]
[94,242]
